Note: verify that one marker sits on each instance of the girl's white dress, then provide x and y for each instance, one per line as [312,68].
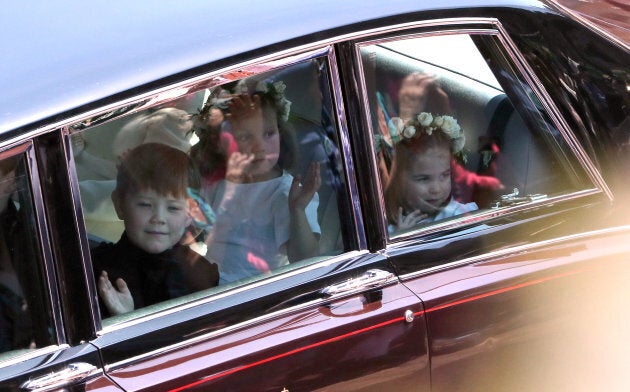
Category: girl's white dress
[252,226]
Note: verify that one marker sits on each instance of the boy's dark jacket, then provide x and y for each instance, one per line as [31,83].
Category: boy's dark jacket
[153,278]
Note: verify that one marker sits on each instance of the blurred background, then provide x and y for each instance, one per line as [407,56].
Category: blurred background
[610,15]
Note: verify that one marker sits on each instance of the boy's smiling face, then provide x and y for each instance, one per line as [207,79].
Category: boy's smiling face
[153,222]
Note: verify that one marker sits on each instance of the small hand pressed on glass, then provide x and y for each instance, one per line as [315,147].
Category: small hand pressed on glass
[303,190]
[117,299]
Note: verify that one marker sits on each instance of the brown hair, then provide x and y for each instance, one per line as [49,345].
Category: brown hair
[404,153]
[158,167]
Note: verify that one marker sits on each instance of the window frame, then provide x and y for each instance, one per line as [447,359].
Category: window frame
[489,27]
[355,237]
[49,276]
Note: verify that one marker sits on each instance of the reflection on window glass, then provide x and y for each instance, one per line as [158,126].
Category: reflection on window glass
[25,318]
[224,185]
[448,138]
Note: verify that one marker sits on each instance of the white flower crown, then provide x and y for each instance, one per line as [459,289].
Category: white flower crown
[276,91]
[425,122]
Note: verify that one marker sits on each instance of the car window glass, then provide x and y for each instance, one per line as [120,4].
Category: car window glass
[256,165]
[449,140]
[25,315]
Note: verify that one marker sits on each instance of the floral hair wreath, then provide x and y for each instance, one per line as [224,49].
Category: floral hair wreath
[427,123]
[276,91]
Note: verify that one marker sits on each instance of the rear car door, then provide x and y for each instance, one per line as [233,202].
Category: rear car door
[527,291]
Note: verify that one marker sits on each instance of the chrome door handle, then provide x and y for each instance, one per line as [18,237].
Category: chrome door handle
[74,372]
[371,278]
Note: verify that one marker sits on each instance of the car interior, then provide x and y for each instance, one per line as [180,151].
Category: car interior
[500,147]
[96,150]
[499,143]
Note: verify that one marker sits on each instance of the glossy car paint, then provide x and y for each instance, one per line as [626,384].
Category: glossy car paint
[491,320]
[88,53]
[361,342]
[484,308]
[15,374]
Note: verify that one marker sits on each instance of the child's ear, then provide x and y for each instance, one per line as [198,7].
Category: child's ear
[117,200]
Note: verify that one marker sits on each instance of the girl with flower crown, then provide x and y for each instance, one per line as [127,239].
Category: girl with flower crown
[419,189]
[264,215]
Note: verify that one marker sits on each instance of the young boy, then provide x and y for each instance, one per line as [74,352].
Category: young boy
[148,264]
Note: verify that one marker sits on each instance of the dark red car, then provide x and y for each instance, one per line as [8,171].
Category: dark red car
[516,279]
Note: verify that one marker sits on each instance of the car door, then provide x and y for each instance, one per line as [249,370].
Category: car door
[527,291]
[44,341]
[339,320]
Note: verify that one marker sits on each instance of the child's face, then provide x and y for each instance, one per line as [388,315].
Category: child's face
[258,135]
[153,222]
[428,180]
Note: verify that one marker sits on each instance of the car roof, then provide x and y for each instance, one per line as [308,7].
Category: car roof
[57,58]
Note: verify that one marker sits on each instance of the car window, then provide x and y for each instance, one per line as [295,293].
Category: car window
[458,133]
[25,313]
[224,185]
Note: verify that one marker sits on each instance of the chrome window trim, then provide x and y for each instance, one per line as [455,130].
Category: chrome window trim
[341,118]
[27,148]
[522,249]
[205,80]
[483,215]
[80,227]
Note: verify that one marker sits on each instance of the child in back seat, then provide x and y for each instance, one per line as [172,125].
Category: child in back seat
[264,215]
[148,264]
[420,185]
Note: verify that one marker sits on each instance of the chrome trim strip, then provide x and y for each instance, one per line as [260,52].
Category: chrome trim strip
[79,223]
[432,33]
[516,249]
[555,115]
[344,138]
[207,80]
[484,215]
[30,354]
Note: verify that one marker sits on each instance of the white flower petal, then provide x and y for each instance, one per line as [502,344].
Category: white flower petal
[396,126]
[409,131]
[261,87]
[425,119]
